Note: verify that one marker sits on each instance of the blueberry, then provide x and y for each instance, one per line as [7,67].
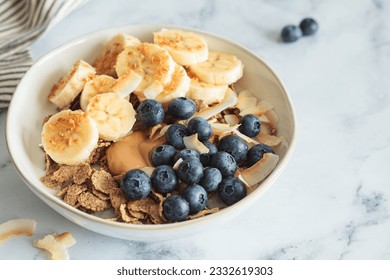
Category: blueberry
[308,26]
[225,163]
[196,196]
[181,108]
[185,154]
[201,126]
[164,179]
[205,158]
[291,33]
[211,179]
[175,134]
[136,184]
[256,153]
[250,125]
[231,190]
[233,145]
[176,208]
[150,112]
[163,154]
[190,171]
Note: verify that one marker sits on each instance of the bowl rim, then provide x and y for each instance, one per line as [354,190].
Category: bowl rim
[245,202]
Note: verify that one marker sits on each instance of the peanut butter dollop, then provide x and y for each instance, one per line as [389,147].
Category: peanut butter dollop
[131,152]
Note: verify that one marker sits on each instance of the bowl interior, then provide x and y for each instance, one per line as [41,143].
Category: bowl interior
[30,106]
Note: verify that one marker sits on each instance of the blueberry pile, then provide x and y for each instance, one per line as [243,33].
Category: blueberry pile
[291,33]
[202,174]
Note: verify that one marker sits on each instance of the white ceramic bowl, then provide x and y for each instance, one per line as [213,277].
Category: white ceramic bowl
[30,106]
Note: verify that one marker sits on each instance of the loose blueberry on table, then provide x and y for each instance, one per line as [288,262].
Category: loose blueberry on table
[291,33]
[308,26]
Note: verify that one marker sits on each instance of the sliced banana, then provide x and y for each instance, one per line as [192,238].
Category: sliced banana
[126,83]
[114,116]
[205,92]
[99,84]
[185,47]
[220,68]
[69,137]
[69,86]
[106,60]
[178,87]
[150,61]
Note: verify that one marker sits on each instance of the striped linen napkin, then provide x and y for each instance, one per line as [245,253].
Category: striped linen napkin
[22,22]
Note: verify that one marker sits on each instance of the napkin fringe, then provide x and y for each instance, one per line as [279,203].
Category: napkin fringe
[22,22]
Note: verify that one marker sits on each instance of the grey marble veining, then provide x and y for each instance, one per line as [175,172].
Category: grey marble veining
[332,201]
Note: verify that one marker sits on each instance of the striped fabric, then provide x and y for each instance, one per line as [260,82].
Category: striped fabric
[22,22]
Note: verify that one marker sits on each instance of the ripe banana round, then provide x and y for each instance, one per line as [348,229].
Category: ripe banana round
[69,137]
[99,84]
[106,60]
[178,87]
[151,62]
[220,68]
[114,116]
[69,86]
[186,48]
[126,83]
[207,93]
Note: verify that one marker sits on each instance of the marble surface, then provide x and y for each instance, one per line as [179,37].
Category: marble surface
[332,201]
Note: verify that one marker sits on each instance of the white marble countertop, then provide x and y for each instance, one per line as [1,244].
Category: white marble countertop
[332,201]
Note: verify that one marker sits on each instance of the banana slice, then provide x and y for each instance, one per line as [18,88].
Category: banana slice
[99,84]
[69,137]
[126,83]
[69,86]
[205,92]
[151,62]
[220,68]
[186,48]
[114,116]
[178,87]
[106,60]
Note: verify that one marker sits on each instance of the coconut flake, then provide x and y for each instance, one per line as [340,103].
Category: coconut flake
[245,102]
[231,119]
[260,170]
[192,142]
[56,245]
[148,170]
[17,227]
[177,163]
[261,107]
[270,140]
[229,101]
